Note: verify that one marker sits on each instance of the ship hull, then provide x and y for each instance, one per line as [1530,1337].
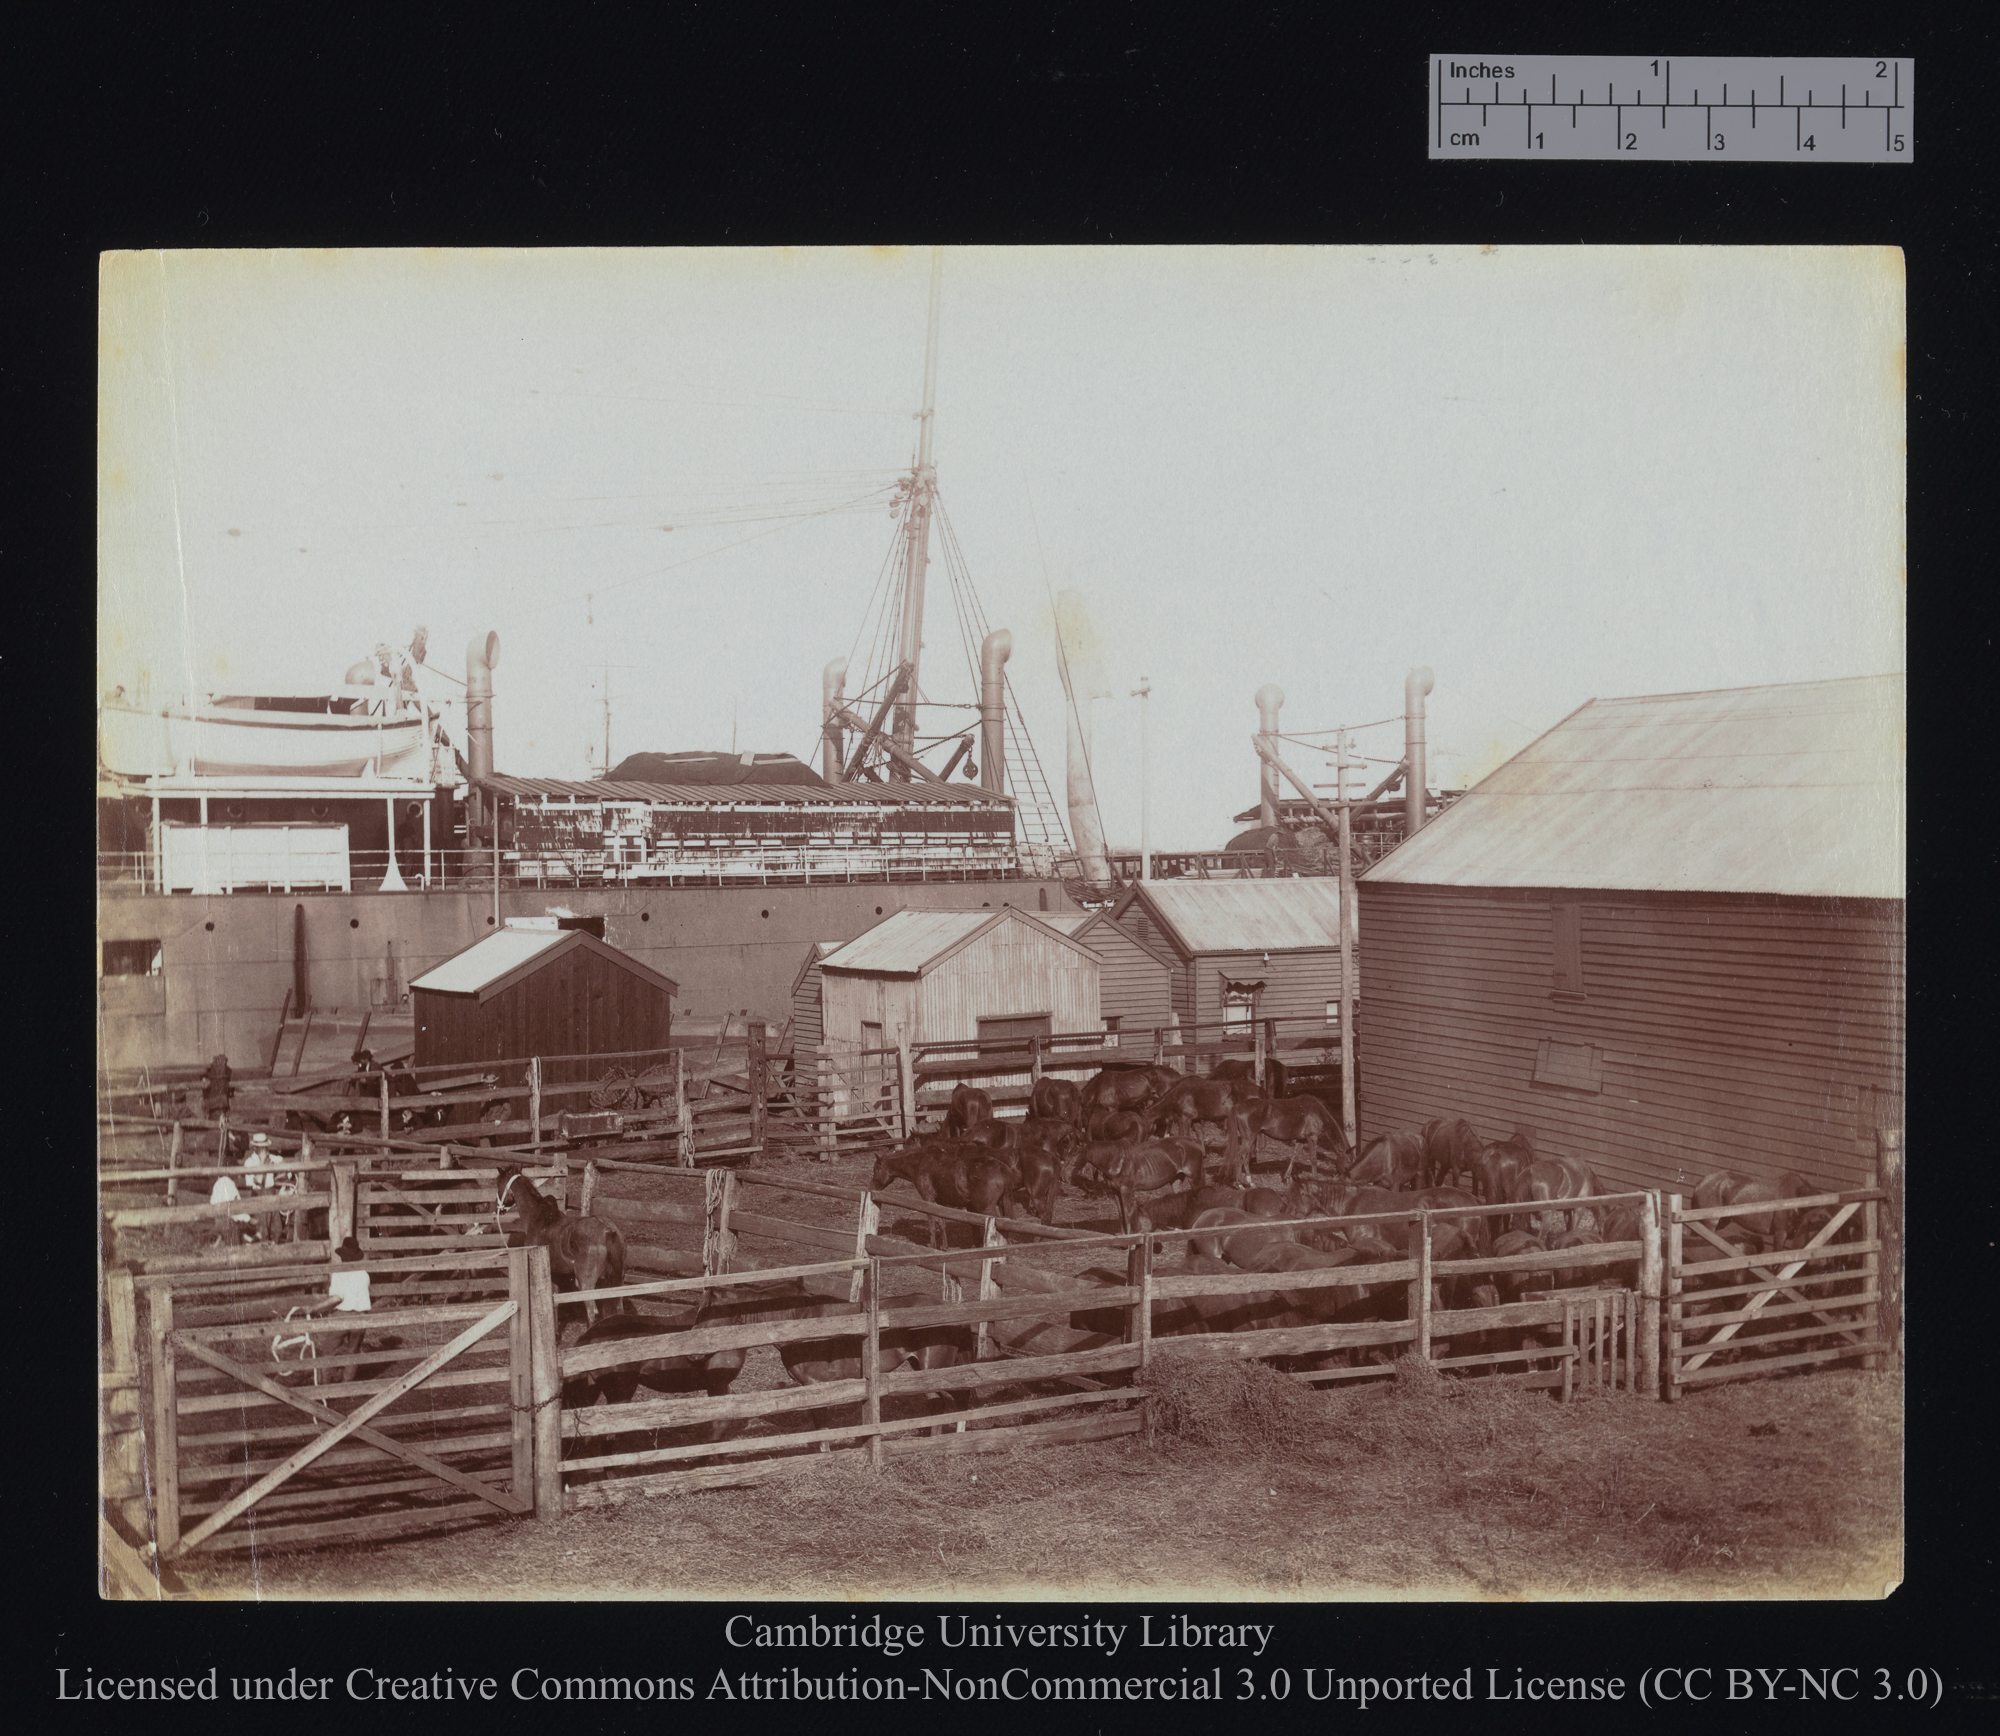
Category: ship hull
[226,961]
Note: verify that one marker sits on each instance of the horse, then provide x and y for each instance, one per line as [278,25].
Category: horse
[1549,1179]
[1391,1160]
[1040,1184]
[1057,1100]
[1451,1149]
[1110,1126]
[1127,1087]
[970,1106]
[1298,1121]
[1499,1164]
[1221,1101]
[674,1375]
[589,1252]
[1764,1230]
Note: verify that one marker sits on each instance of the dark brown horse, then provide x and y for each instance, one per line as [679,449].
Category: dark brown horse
[1126,1172]
[1451,1150]
[1127,1087]
[1500,1163]
[1057,1100]
[1391,1160]
[970,1107]
[584,1253]
[663,1373]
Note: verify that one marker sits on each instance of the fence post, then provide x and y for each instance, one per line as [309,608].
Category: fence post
[340,1222]
[715,1239]
[989,1238]
[906,1084]
[173,1164]
[546,1389]
[753,1069]
[1260,1041]
[871,1364]
[1179,1062]
[125,1448]
[1034,1062]
[1889,1178]
[1159,1046]
[166,1422]
[683,1112]
[1871,1276]
[521,1378]
[589,1187]
[867,1222]
[1422,1312]
[535,1099]
[1645,1345]
[1145,1335]
[1672,1371]
[826,1147]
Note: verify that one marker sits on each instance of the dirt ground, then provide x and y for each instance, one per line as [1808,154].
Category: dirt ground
[1255,1488]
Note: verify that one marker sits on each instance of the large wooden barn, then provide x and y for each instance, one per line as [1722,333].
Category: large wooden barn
[540,991]
[1668,936]
[1240,950]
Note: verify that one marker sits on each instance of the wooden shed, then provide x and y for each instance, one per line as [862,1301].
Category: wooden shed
[808,1027]
[1668,936]
[540,991]
[1136,981]
[1241,950]
[957,976]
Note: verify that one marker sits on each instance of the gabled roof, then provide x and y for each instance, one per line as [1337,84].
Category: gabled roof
[499,961]
[1086,935]
[818,950]
[914,942]
[1200,916]
[1796,791]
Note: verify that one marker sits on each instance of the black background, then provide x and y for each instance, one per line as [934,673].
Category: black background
[319,125]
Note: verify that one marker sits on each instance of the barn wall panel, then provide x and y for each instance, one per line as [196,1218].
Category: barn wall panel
[1134,987]
[1751,1035]
[808,1025]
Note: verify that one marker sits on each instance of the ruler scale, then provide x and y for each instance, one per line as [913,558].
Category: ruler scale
[1602,108]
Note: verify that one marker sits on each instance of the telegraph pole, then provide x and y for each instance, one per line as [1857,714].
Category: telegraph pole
[917,550]
[1144,692]
[1346,951]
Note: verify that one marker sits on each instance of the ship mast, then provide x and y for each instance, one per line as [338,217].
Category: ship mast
[922,487]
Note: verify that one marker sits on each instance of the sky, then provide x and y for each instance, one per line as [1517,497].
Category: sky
[1547,474]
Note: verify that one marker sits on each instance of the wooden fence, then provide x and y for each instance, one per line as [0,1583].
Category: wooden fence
[1736,1315]
[238,1411]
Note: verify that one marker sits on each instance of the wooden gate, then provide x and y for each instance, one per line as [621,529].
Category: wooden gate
[268,1431]
[1733,1315]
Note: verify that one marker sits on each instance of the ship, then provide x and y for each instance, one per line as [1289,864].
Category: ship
[275,863]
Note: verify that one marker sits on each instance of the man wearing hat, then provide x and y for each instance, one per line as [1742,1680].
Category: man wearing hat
[257,1177]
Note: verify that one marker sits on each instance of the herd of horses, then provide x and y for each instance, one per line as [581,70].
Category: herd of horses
[1144,1138]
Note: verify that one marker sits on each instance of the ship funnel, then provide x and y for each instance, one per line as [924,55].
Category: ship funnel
[480,657]
[833,739]
[1415,772]
[1270,701]
[1082,682]
[994,650]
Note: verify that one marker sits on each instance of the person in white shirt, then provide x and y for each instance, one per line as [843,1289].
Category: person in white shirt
[235,1227]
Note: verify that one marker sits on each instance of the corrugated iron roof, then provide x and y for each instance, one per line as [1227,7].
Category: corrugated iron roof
[754,795]
[1795,790]
[499,959]
[1246,915]
[911,941]
[1064,921]
[487,960]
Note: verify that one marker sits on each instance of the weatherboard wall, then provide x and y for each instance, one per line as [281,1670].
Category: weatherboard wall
[579,1002]
[1705,1032]
[1134,987]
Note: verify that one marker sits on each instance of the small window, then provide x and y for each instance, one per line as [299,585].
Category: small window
[1112,1022]
[1239,1007]
[1001,1034]
[131,958]
[1569,1066]
[1566,976]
